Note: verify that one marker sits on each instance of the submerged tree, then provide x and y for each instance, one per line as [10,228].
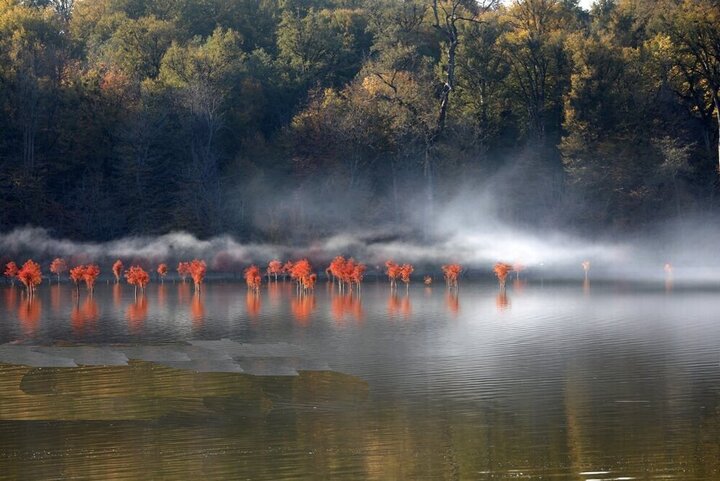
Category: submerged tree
[253,279]
[58,267]
[90,275]
[162,271]
[197,268]
[77,275]
[303,275]
[183,270]
[11,270]
[31,276]
[405,271]
[393,272]
[501,271]
[137,277]
[274,268]
[451,272]
[117,269]
[586,267]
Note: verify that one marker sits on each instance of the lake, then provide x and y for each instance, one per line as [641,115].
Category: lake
[613,381]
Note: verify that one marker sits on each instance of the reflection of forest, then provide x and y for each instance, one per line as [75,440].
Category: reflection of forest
[153,422]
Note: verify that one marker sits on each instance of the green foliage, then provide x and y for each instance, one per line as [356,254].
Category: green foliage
[150,115]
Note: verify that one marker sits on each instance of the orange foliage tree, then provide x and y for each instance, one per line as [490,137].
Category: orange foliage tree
[586,267]
[501,271]
[302,273]
[11,270]
[137,277]
[253,278]
[274,268]
[30,275]
[427,280]
[77,274]
[405,271]
[117,269]
[90,275]
[346,272]
[393,272]
[287,269]
[451,272]
[198,269]
[58,266]
[183,270]
[162,271]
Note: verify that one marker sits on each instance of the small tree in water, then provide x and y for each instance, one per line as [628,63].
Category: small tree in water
[137,277]
[501,271]
[77,274]
[253,279]
[162,271]
[57,267]
[198,269]
[90,275]
[31,276]
[117,269]
[11,270]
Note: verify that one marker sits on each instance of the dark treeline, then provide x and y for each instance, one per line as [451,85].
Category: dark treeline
[265,118]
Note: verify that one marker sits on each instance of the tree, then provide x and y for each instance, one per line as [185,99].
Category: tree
[451,272]
[162,271]
[11,270]
[31,276]
[274,268]
[77,274]
[90,275]
[57,267]
[692,27]
[253,279]
[197,269]
[117,269]
[183,270]
[501,272]
[136,276]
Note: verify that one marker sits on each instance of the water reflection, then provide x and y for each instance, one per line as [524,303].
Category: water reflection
[55,298]
[252,304]
[557,392]
[117,295]
[136,314]
[346,305]
[452,301]
[302,307]
[399,305]
[502,301]
[29,313]
[10,297]
[586,286]
[83,318]
[197,310]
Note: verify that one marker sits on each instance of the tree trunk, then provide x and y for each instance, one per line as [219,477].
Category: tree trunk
[716,99]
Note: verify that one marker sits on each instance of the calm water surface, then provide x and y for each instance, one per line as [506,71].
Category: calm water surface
[547,382]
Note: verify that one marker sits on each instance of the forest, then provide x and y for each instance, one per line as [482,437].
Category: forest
[273,120]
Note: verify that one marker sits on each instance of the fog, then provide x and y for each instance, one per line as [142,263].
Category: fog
[462,232]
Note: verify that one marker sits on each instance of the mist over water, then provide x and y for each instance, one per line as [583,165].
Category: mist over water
[471,237]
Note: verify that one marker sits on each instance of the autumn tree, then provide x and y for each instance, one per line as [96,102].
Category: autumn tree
[77,275]
[183,270]
[11,270]
[162,271]
[451,272]
[393,272]
[253,279]
[90,275]
[501,271]
[136,276]
[198,269]
[274,268]
[117,270]
[405,271]
[31,276]
[58,266]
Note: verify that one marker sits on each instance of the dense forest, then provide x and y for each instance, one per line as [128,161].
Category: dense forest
[275,118]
